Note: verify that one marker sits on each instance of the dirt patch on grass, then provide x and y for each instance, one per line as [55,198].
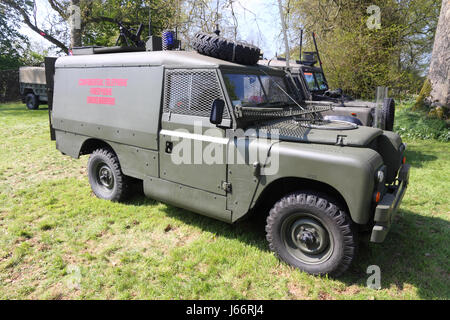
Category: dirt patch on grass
[151,243]
[349,290]
[297,291]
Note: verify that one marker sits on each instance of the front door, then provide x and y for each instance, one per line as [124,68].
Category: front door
[192,150]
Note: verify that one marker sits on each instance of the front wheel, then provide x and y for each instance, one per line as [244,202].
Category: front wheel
[310,232]
[105,176]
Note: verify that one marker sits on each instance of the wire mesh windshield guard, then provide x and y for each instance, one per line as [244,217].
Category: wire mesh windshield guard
[260,113]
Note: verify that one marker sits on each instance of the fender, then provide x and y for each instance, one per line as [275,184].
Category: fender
[348,170]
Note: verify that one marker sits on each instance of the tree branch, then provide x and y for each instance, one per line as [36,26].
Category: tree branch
[58,8]
[13,4]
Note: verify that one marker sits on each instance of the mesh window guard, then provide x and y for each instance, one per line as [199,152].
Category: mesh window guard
[192,92]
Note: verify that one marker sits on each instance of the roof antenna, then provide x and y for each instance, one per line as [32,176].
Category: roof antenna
[217,31]
[301,44]
[318,56]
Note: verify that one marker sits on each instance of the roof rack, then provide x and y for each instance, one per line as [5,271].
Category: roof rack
[78,51]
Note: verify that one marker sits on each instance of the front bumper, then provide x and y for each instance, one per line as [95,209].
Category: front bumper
[387,208]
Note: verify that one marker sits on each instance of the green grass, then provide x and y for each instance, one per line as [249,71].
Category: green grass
[416,125]
[57,241]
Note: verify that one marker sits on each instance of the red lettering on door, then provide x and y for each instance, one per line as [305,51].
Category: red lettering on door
[101,100]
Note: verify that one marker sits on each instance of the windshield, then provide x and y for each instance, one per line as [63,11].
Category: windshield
[249,90]
[315,81]
[310,81]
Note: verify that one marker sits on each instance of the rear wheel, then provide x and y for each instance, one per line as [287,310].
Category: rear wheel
[312,233]
[32,101]
[105,176]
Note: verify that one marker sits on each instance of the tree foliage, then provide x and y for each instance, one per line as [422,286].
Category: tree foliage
[357,58]
[98,18]
[12,43]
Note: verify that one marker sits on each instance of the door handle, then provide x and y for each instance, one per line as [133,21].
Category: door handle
[169,146]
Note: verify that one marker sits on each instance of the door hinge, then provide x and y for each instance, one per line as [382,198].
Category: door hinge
[226,186]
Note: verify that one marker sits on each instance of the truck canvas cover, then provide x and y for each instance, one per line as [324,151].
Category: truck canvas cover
[32,75]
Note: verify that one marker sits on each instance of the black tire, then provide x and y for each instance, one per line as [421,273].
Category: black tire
[219,47]
[312,233]
[388,112]
[32,101]
[105,176]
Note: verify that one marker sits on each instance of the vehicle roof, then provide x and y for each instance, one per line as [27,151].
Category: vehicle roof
[32,75]
[274,63]
[31,68]
[181,59]
[295,67]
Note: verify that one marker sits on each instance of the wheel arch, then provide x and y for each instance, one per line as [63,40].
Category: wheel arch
[91,144]
[286,185]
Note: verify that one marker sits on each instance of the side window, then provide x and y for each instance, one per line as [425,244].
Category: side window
[191,92]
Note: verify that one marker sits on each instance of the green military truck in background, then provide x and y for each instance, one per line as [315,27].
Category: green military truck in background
[188,126]
[33,88]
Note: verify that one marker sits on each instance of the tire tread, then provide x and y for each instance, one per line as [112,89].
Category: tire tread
[121,180]
[321,202]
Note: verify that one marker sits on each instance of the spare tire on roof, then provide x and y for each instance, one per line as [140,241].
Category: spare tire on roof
[219,47]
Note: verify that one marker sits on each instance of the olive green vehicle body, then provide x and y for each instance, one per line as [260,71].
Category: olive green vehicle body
[143,134]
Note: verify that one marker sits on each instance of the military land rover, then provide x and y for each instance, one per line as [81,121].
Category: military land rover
[32,86]
[225,140]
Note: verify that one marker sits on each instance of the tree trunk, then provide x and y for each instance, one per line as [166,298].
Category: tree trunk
[75,24]
[440,60]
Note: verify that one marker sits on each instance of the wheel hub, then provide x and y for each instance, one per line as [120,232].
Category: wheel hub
[309,236]
[106,177]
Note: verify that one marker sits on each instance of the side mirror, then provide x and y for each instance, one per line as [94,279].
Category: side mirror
[217,109]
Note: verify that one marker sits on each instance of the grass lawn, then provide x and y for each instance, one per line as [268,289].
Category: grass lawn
[57,241]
